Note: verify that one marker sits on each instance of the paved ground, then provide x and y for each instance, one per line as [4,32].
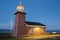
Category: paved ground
[41,37]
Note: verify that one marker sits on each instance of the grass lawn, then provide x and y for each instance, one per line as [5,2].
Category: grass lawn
[40,37]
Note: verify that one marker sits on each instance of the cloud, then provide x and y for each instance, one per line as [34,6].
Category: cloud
[6,25]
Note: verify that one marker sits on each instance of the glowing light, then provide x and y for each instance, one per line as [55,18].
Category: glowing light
[37,28]
[20,7]
[37,31]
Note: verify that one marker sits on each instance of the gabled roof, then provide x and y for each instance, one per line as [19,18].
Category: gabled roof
[34,23]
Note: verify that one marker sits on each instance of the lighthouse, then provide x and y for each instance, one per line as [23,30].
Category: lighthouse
[23,28]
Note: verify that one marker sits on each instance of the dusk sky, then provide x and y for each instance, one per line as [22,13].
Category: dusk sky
[44,11]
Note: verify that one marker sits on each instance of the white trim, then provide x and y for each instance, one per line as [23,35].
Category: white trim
[35,26]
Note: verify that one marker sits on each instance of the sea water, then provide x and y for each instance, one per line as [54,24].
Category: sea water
[8,31]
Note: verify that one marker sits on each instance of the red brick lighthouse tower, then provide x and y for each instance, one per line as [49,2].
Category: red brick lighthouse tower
[19,24]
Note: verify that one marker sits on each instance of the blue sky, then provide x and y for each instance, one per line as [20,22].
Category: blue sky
[43,11]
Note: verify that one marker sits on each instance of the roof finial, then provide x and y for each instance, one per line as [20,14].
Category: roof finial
[20,2]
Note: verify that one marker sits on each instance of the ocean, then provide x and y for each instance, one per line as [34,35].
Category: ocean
[8,31]
[5,31]
[51,31]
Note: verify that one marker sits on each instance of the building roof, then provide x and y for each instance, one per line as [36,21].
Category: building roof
[34,23]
